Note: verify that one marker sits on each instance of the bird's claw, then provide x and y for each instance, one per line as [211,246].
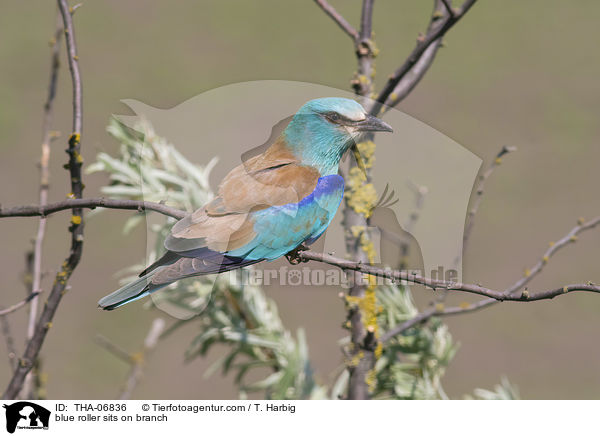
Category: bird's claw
[293,256]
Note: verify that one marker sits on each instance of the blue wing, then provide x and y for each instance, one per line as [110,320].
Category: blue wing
[280,229]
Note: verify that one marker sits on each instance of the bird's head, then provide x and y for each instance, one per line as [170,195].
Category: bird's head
[323,129]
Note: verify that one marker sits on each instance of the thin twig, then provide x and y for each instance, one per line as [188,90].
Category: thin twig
[470,220]
[448,6]
[137,369]
[90,203]
[479,190]
[113,348]
[76,229]
[44,186]
[135,360]
[422,44]
[20,304]
[420,193]
[412,77]
[421,317]
[530,273]
[11,351]
[477,289]
[339,20]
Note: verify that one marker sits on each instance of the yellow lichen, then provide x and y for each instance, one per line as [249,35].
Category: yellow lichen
[76,219]
[137,357]
[360,195]
[78,157]
[362,199]
[355,360]
[371,379]
[367,152]
[356,230]
[74,139]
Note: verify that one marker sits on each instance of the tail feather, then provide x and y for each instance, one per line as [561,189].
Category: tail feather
[170,268]
[130,292]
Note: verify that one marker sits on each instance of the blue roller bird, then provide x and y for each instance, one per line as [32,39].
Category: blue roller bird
[266,207]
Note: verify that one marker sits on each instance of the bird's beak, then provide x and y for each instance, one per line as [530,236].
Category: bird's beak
[373,124]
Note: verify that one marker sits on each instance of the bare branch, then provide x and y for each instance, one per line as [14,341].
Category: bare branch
[139,359]
[476,289]
[91,203]
[340,21]
[365,53]
[44,186]
[421,317]
[530,273]
[18,305]
[412,78]
[479,192]
[360,337]
[366,19]
[135,360]
[11,351]
[448,6]
[436,32]
[114,349]
[76,229]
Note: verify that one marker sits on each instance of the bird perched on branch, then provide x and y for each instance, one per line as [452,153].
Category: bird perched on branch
[266,207]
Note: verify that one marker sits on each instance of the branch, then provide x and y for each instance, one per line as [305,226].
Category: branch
[421,317]
[448,6]
[135,360]
[139,359]
[412,78]
[113,348]
[11,351]
[365,53]
[366,19]
[75,161]
[435,33]
[479,192]
[360,336]
[339,20]
[91,203]
[44,186]
[440,311]
[20,304]
[397,275]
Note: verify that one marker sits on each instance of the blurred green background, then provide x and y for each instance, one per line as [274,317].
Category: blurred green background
[512,72]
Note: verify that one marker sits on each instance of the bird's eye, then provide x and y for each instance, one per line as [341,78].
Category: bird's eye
[333,117]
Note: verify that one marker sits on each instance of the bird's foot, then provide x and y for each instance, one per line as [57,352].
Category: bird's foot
[293,256]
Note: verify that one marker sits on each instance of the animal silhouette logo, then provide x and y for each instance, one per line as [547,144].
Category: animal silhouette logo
[26,415]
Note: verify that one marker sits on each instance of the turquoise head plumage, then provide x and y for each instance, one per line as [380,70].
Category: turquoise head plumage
[324,129]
